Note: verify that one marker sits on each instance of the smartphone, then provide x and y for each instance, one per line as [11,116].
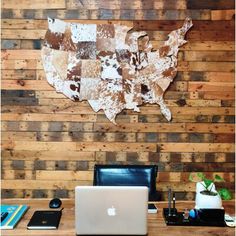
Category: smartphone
[152,208]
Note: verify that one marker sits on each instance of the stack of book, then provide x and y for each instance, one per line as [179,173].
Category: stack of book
[11,215]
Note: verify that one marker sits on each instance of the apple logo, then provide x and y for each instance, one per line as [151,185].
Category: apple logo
[111,211]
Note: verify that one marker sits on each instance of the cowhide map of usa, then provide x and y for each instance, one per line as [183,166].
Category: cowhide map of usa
[109,65]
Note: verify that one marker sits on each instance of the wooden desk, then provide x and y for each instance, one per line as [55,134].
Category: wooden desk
[156,224]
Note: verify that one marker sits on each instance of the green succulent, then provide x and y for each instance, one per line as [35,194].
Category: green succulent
[224,193]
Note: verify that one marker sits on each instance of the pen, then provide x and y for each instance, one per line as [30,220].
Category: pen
[169,202]
[173,203]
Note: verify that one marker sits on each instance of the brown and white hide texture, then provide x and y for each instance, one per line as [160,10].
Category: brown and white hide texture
[109,65]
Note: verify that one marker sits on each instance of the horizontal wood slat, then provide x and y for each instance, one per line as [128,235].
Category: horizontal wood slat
[147,25]
[79,146]
[37,4]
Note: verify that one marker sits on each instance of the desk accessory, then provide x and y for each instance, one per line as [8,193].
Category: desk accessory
[194,217]
[11,215]
[229,221]
[170,211]
[152,208]
[55,203]
[45,219]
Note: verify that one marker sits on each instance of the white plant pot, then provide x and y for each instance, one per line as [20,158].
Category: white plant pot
[207,201]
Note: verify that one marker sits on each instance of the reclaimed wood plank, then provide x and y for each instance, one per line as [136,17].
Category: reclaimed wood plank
[122,4]
[114,14]
[210,128]
[18,74]
[202,35]
[37,4]
[26,136]
[155,127]
[76,108]
[77,136]
[46,126]
[43,146]
[169,25]
[216,95]
[20,54]
[28,64]
[48,117]
[26,85]
[195,35]
[79,146]
[170,102]
[191,110]
[222,14]
[211,4]
[184,176]
[88,175]
[196,147]
[216,56]
[210,86]
[202,46]
[206,66]
[224,138]
[147,25]
[70,185]
[33,24]
[220,77]
[64,175]
[67,155]
[10,44]
[42,184]
[22,34]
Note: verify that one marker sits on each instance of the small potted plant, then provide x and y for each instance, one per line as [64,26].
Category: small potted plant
[206,194]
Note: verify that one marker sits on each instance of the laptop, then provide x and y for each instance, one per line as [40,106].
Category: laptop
[110,210]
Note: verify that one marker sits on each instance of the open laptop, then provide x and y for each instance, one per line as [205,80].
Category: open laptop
[108,210]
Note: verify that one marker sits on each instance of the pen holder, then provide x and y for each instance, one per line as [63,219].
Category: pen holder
[173,211]
[204,217]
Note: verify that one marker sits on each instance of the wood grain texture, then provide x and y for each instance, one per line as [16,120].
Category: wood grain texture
[51,144]
[37,4]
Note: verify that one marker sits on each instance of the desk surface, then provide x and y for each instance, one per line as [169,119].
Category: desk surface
[156,224]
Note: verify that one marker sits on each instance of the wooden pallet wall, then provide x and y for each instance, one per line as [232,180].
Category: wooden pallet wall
[50,144]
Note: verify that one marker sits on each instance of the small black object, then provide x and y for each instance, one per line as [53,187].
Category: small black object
[205,217]
[45,220]
[3,216]
[55,203]
[169,202]
[174,212]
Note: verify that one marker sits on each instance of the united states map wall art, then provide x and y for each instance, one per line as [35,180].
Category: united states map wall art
[109,65]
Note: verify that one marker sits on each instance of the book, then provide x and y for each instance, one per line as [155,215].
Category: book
[45,220]
[11,215]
